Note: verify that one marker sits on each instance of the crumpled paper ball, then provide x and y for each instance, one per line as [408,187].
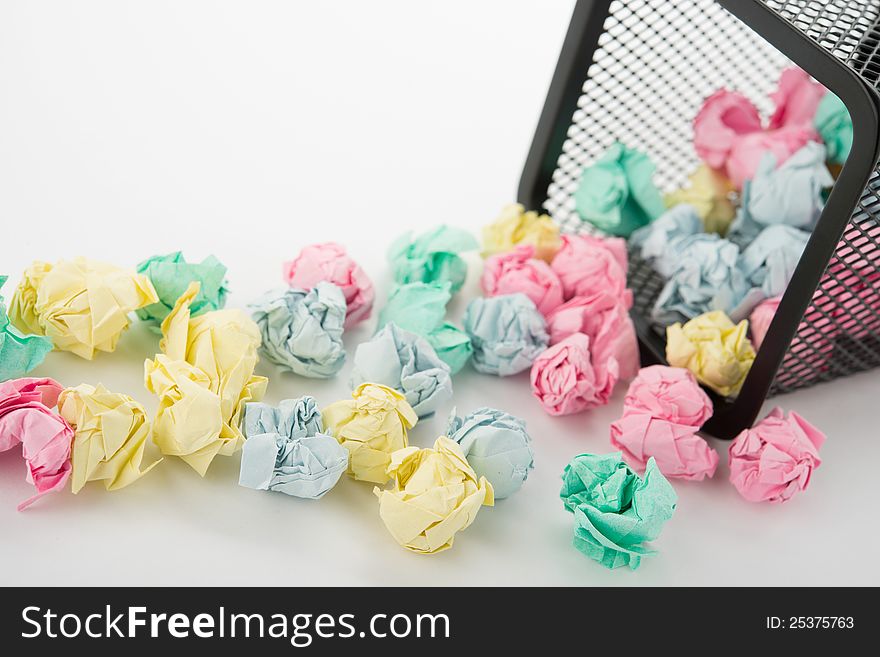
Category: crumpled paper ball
[604,319]
[406,362]
[587,264]
[496,446]
[19,353]
[26,418]
[710,194]
[371,426]
[748,151]
[287,451]
[616,193]
[770,260]
[715,349]
[171,274]
[421,308]
[203,380]
[796,98]
[518,271]
[329,262]
[661,241]
[432,257]
[760,319]
[515,226]
[790,194]
[566,378]
[81,305]
[775,458]
[507,333]
[708,277]
[834,125]
[662,412]
[110,434]
[616,512]
[302,330]
[724,117]
[436,494]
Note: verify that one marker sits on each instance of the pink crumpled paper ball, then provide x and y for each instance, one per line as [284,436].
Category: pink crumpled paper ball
[603,317]
[775,458]
[677,448]
[747,151]
[724,117]
[663,410]
[45,437]
[760,319]
[586,264]
[796,98]
[566,379]
[519,271]
[329,262]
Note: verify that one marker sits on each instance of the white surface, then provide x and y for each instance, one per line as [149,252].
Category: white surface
[249,129]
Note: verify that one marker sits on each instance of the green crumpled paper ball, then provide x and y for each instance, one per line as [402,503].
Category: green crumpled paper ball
[616,512]
[834,125]
[19,353]
[171,274]
[432,257]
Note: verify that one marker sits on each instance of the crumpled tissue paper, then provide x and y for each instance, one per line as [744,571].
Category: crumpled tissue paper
[171,274]
[661,241]
[515,226]
[775,458]
[371,426]
[436,494]
[519,271]
[329,262]
[496,446]
[302,330]
[19,353]
[770,260]
[406,362]
[587,264]
[110,434]
[616,512]
[432,257]
[834,125]
[716,350]
[81,305]
[507,333]
[26,418]
[287,451]
[710,194]
[616,194]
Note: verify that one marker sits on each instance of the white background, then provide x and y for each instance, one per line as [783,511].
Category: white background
[250,129]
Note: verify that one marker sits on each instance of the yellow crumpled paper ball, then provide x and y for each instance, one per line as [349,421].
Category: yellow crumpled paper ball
[110,433]
[203,379]
[516,226]
[710,194]
[371,426]
[436,494]
[715,349]
[81,304]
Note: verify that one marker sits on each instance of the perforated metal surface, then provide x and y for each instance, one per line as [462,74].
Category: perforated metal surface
[654,65]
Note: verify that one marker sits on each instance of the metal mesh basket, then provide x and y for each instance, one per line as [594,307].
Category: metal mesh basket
[638,71]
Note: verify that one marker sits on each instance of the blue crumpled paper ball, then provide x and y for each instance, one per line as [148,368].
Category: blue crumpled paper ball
[302,330]
[406,362]
[769,261]
[708,277]
[790,195]
[496,446]
[660,241]
[507,333]
[286,450]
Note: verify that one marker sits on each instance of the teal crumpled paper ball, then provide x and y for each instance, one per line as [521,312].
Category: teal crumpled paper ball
[834,125]
[421,308]
[171,274]
[497,447]
[287,450]
[432,257]
[406,362]
[507,333]
[19,353]
[616,512]
[617,194]
[302,330]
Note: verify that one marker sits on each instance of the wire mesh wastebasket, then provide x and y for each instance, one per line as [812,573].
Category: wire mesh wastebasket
[637,71]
